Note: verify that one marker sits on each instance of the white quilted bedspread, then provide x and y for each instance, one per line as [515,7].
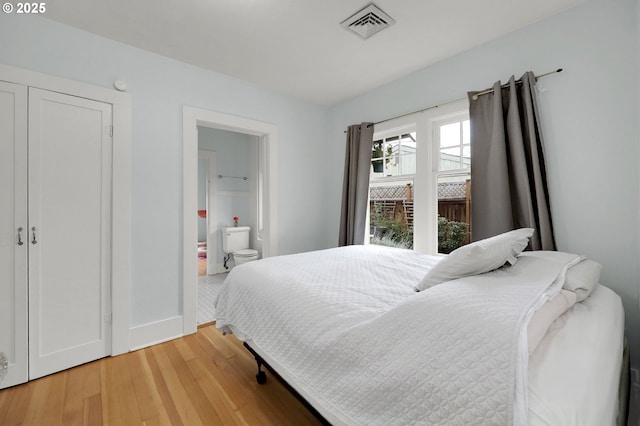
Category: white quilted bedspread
[347,330]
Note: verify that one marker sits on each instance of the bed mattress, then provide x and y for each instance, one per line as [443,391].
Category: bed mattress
[299,308]
[575,370]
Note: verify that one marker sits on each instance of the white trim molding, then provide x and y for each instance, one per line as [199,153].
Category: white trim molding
[150,334]
[191,119]
[211,203]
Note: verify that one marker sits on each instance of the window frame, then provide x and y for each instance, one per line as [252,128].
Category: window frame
[425,179]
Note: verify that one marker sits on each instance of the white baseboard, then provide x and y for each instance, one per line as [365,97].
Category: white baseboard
[153,333]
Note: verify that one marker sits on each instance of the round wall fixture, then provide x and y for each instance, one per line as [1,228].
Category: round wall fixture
[120,85]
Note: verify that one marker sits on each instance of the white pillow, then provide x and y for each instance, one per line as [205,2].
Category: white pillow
[478,257]
[582,278]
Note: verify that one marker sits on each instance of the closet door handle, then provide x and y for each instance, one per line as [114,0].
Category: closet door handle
[20,236]
[34,240]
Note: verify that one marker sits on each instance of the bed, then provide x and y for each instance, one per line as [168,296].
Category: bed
[481,342]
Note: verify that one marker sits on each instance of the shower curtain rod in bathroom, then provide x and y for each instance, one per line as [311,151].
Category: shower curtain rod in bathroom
[233,177]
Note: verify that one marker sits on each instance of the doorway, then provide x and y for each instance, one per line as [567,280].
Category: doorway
[266,137]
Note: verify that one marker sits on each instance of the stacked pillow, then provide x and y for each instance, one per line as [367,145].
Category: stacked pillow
[478,257]
[582,278]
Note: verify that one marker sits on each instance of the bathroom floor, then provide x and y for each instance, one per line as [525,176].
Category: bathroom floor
[202,266]
[208,288]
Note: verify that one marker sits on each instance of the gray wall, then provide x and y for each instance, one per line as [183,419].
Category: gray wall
[590,121]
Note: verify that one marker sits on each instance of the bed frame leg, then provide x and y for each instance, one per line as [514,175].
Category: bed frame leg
[261,377]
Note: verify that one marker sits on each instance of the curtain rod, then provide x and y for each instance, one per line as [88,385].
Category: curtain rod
[461,99]
[484,92]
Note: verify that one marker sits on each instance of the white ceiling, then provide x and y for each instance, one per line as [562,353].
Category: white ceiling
[297,47]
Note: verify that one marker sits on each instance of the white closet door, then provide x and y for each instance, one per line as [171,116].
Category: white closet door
[13,215]
[69,231]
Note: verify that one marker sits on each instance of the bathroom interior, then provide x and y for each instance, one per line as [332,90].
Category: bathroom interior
[228,170]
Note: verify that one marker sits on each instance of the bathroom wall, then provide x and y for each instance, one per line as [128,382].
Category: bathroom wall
[234,196]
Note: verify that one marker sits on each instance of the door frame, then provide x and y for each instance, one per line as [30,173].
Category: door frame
[211,189]
[192,118]
[121,186]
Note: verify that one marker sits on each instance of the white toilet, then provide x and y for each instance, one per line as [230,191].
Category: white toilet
[235,241]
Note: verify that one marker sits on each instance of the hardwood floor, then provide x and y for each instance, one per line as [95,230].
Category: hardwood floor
[202,266]
[201,379]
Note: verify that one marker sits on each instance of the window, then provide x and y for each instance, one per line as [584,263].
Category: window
[453,178]
[420,181]
[393,166]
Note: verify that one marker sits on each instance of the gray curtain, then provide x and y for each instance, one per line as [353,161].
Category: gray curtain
[508,175]
[355,190]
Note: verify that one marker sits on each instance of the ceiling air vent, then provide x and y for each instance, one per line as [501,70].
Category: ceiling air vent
[368,21]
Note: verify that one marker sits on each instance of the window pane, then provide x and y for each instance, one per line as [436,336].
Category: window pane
[377,168]
[454,212]
[466,156]
[455,151]
[450,158]
[408,164]
[407,154]
[391,214]
[408,143]
[450,135]
[466,132]
[378,153]
[394,156]
[451,152]
[391,166]
[392,148]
